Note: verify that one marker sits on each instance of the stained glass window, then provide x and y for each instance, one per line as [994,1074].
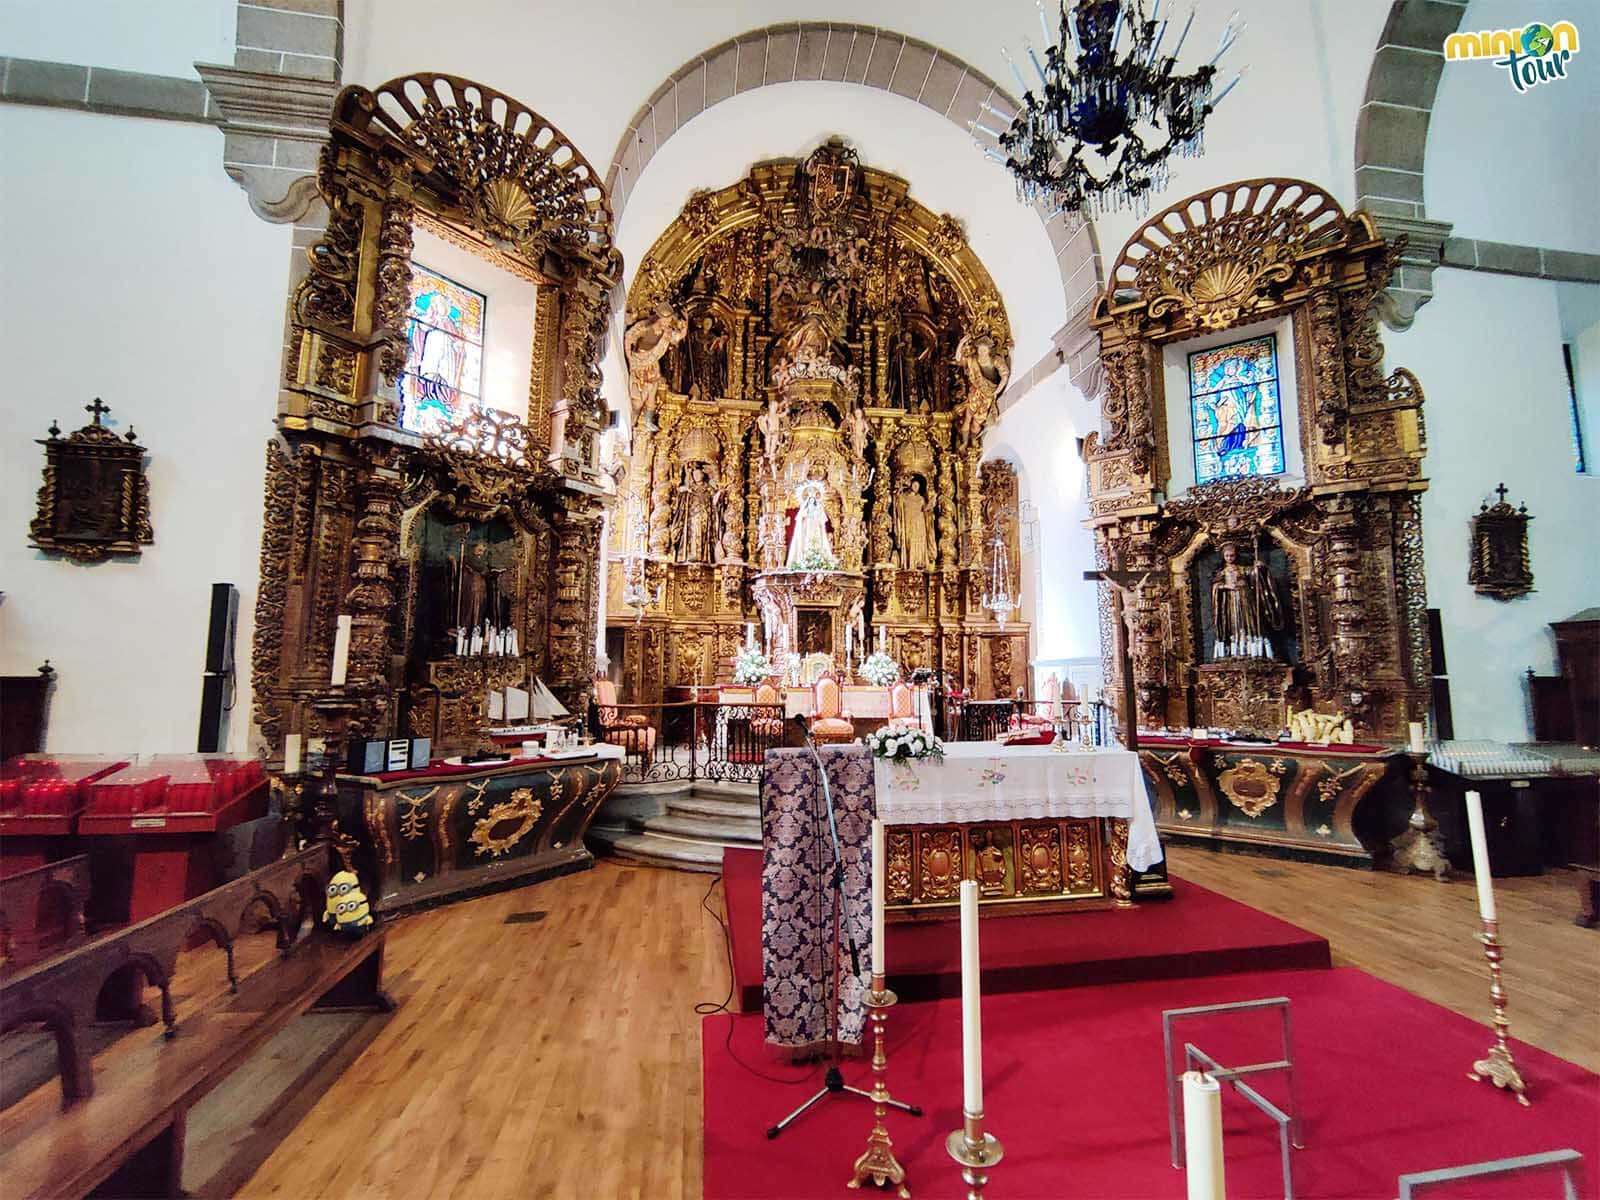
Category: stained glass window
[444,353]
[1234,410]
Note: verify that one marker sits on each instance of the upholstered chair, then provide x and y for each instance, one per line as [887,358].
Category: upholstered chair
[829,721]
[632,731]
[767,720]
[902,706]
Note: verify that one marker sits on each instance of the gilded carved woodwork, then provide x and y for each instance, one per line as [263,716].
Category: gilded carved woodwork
[810,326]
[94,500]
[1499,564]
[1339,543]
[349,493]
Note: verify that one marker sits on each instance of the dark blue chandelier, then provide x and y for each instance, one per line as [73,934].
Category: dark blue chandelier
[1108,113]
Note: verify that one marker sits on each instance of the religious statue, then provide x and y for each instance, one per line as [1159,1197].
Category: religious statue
[809,543]
[808,341]
[911,536]
[1244,604]
[986,379]
[858,438]
[708,359]
[644,345]
[695,517]
[774,427]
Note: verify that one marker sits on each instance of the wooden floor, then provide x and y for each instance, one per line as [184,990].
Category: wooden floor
[560,1056]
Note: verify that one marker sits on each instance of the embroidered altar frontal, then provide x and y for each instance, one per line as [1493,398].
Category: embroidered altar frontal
[432,835]
[1038,829]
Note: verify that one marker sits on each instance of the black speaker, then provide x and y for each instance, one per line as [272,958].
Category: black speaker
[217,688]
[1444,724]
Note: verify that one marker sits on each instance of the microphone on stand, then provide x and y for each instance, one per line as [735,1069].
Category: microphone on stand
[833,831]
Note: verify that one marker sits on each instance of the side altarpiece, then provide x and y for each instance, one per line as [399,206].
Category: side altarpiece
[366,519]
[1332,553]
[811,335]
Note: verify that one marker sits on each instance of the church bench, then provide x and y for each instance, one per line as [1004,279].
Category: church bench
[119,1124]
[41,912]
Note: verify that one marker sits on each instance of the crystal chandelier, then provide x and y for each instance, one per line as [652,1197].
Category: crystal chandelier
[999,599]
[1100,127]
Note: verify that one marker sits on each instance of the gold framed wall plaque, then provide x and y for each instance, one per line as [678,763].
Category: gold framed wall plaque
[94,502]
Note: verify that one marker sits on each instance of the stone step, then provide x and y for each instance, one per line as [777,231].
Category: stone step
[721,831]
[696,805]
[656,851]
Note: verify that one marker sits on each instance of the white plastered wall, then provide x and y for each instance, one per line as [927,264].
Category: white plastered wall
[139,275]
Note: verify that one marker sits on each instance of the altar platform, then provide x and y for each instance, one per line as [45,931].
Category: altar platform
[1200,933]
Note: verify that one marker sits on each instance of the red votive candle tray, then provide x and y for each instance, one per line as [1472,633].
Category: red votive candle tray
[131,790]
[205,783]
[50,784]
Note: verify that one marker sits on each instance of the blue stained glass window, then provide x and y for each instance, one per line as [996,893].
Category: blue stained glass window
[1235,410]
[444,351]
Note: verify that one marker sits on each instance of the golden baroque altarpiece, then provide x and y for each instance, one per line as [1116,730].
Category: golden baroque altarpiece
[1338,552]
[352,499]
[812,335]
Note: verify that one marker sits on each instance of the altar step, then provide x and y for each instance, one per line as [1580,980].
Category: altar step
[685,825]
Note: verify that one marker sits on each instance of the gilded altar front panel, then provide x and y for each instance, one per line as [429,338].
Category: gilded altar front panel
[1020,866]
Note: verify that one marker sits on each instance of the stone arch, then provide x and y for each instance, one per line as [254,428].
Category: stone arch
[1391,143]
[834,52]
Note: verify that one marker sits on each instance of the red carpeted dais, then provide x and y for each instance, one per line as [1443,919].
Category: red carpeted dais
[1074,1090]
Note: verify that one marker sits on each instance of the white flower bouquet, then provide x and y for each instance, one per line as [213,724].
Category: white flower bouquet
[899,742]
[750,666]
[879,669]
[816,559]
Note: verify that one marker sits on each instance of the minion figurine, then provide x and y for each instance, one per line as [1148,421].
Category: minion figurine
[347,908]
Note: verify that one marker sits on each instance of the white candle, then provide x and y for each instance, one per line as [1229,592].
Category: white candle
[880,637]
[291,754]
[971,1020]
[878,866]
[341,651]
[1480,856]
[1202,1136]
[1415,729]
[847,644]
[749,633]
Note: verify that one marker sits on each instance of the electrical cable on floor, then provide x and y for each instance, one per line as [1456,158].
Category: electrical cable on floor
[706,1008]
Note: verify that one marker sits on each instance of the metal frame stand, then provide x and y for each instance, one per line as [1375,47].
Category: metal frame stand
[1291,1128]
[1567,1160]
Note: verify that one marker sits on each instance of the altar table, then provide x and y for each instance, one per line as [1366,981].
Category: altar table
[438,834]
[1035,826]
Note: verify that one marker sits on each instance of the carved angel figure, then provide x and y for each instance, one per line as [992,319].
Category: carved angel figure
[644,345]
[987,377]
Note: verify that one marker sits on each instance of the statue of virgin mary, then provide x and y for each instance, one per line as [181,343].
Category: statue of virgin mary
[809,542]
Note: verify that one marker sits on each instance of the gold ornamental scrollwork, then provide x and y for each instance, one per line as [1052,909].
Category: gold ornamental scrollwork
[1252,786]
[506,823]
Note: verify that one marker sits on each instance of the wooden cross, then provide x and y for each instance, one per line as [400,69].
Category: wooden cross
[97,409]
[1124,652]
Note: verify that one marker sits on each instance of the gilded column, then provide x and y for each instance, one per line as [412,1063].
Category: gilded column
[370,602]
[1350,634]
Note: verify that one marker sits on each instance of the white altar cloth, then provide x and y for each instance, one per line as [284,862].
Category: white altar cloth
[987,781]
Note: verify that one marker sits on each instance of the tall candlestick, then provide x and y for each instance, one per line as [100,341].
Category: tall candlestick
[878,868]
[291,754]
[971,1019]
[1415,730]
[341,651]
[1202,1136]
[1480,856]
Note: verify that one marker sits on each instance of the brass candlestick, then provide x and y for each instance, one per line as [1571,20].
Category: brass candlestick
[879,1163]
[1498,1067]
[976,1151]
[1419,847]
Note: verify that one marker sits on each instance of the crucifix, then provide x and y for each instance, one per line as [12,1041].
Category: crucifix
[97,409]
[1122,583]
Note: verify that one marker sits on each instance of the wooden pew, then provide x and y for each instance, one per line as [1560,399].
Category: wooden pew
[41,912]
[119,1124]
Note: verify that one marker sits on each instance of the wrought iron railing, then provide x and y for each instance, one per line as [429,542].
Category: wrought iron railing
[693,739]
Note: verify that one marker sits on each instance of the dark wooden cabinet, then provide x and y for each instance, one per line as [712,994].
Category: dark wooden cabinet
[1566,707]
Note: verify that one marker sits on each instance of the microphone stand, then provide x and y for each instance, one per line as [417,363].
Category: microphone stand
[833,1082]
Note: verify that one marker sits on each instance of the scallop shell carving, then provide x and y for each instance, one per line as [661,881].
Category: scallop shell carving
[506,206]
[1222,282]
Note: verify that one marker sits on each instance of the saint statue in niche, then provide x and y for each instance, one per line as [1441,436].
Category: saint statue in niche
[986,379]
[1244,604]
[809,542]
[694,518]
[911,536]
[708,358]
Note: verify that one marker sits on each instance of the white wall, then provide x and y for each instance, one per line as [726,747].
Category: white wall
[138,274]
[1487,350]
[166,37]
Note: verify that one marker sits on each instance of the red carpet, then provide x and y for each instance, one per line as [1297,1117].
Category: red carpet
[1074,1091]
[1198,932]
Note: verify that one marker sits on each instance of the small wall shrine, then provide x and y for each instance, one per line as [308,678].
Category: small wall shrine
[1258,478]
[461,558]
[813,360]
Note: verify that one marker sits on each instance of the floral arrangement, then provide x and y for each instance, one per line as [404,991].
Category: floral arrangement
[879,669]
[751,666]
[816,559]
[897,743]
